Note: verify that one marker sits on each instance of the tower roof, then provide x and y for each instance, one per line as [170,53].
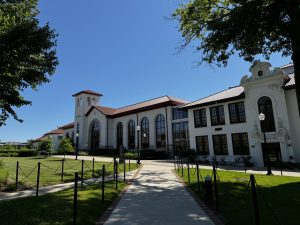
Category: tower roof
[87,92]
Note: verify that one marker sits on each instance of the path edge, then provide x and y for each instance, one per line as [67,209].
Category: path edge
[211,214]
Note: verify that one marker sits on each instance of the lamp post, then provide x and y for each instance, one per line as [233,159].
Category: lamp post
[138,128]
[262,118]
[77,138]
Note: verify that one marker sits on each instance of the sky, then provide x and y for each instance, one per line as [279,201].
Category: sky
[124,49]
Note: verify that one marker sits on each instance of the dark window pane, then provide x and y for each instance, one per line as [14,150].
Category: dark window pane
[160,131]
[131,134]
[200,118]
[180,136]
[240,144]
[217,115]
[202,145]
[220,144]
[179,114]
[237,112]
[265,107]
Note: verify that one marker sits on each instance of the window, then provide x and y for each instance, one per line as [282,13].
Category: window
[220,144]
[160,131]
[200,118]
[119,135]
[265,107]
[179,114]
[217,115]
[180,136]
[89,101]
[145,133]
[95,135]
[240,144]
[202,145]
[237,112]
[131,134]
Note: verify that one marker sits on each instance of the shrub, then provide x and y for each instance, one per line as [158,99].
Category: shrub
[130,155]
[45,146]
[4,181]
[247,160]
[27,153]
[65,146]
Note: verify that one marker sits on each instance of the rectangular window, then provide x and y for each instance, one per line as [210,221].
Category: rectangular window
[217,115]
[200,118]
[220,144]
[240,144]
[179,114]
[202,145]
[237,112]
[181,136]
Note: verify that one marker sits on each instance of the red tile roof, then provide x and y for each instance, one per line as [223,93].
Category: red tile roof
[67,126]
[139,107]
[87,92]
[56,131]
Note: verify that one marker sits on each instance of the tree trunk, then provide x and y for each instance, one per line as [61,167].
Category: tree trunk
[296,61]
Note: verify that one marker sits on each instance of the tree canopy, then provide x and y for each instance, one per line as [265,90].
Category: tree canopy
[28,55]
[250,27]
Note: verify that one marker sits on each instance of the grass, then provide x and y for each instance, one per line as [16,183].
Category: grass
[51,170]
[278,197]
[56,208]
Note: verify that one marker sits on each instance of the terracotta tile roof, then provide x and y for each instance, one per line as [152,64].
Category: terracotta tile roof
[56,131]
[87,92]
[67,126]
[139,107]
[227,95]
[38,139]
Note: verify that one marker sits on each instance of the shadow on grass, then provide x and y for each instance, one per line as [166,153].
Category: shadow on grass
[279,203]
[57,208]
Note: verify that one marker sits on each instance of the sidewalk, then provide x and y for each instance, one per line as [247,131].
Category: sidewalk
[50,189]
[156,197]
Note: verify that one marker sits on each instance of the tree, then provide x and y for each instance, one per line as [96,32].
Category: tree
[28,55]
[45,146]
[249,27]
[66,146]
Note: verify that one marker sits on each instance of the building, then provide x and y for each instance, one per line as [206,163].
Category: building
[226,125]
[223,126]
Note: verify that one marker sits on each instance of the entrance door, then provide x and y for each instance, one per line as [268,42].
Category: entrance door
[274,153]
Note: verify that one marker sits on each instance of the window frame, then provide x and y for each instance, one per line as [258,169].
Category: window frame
[202,118]
[221,137]
[218,114]
[160,131]
[202,145]
[244,148]
[238,113]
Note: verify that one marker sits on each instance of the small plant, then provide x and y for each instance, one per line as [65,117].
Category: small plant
[4,180]
[237,161]
[223,161]
[214,160]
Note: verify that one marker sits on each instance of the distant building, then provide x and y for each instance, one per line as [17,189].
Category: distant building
[224,125]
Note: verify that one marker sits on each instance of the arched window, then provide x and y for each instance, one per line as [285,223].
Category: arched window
[131,134]
[95,135]
[160,129]
[119,135]
[145,133]
[265,107]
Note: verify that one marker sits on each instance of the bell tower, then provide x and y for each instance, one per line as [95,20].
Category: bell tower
[84,100]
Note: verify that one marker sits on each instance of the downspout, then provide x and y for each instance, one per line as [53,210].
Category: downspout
[106,133]
[167,130]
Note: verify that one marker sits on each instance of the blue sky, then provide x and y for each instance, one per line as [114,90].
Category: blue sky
[125,50]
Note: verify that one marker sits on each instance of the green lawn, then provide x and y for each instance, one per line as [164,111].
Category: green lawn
[51,169]
[278,197]
[57,208]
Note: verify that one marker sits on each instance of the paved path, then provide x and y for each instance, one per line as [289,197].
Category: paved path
[156,197]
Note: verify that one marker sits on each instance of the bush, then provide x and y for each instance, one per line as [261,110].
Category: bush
[130,155]
[4,181]
[45,146]
[247,160]
[27,153]
[65,146]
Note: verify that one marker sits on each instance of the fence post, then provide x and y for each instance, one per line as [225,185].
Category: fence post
[75,199]
[254,197]
[62,169]
[17,175]
[216,188]
[38,179]
[124,169]
[114,167]
[82,166]
[188,168]
[116,175]
[93,167]
[181,168]
[103,179]
[198,180]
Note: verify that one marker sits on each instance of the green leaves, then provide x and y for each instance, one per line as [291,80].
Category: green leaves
[28,55]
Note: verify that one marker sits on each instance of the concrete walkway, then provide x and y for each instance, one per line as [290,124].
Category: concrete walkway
[156,197]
